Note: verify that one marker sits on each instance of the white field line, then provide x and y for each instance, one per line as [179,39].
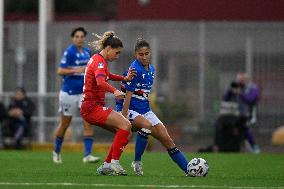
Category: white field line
[136,186]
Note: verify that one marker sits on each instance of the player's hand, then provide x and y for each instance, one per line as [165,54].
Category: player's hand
[118,94]
[130,75]
[237,91]
[80,70]
[16,112]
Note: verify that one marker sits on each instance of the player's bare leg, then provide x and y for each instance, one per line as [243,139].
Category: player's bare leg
[63,125]
[161,134]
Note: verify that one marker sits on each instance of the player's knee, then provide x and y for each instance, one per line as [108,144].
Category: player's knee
[126,125]
[147,125]
[143,125]
[65,122]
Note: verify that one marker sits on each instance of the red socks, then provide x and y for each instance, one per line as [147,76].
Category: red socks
[109,156]
[119,143]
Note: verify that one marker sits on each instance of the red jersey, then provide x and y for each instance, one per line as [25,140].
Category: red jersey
[95,81]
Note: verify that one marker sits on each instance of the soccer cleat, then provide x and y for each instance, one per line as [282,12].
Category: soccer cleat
[56,157]
[117,169]
[103,170]
[137,167]
[91,159]
[255,149]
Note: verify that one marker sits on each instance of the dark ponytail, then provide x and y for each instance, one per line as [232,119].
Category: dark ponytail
[140,42]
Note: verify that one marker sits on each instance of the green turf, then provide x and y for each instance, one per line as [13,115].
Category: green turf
[237,170]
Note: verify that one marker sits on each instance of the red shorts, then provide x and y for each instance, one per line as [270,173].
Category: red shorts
[94,114]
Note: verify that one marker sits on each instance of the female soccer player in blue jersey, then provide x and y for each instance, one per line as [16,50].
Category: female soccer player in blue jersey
[137,109]
[72,68]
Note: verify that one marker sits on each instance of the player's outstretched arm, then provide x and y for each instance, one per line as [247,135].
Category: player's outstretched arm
[130,75]
[70,71]
[115,77]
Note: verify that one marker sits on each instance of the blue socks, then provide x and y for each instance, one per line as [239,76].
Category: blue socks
[88,145]
[58,144]
[178,157]
[140,144]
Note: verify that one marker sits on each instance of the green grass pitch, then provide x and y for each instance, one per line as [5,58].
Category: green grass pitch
[27,169]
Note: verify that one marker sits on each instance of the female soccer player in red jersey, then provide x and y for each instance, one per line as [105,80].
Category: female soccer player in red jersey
[93,110]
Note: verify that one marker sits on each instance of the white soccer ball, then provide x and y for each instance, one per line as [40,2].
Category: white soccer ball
[197,167]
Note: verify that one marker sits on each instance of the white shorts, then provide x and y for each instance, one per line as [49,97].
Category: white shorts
[69,105]
[150,116]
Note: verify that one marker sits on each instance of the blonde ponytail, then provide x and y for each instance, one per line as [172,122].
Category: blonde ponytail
[108,38]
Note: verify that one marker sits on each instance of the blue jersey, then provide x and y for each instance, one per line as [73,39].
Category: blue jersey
[72,58]
[140,86]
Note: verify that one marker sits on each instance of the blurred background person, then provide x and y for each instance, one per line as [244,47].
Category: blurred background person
[3,115]
[72,69]
[229,126]
[236,117]
[20,111]
[249,96]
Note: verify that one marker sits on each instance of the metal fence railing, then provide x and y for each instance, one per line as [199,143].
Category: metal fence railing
[195,62]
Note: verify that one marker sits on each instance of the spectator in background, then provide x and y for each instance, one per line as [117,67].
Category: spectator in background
[2,111]
[229,126]
[250,96]
[237,115]
[3,115]
[247,99]
[20,111]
